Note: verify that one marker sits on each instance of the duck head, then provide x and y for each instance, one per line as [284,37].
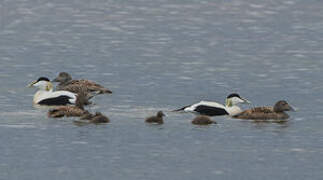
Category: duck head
[63,77]
[42,83]
[234,99]
[160,114]
[282,106]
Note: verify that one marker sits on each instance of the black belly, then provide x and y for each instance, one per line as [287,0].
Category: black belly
[56,101]
[210,111]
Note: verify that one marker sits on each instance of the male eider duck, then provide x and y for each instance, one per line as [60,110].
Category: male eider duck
[215,109]
[156,119]
[46,96]
[264,113]
[202,120]
[70,111]
[97,118]
[76,86]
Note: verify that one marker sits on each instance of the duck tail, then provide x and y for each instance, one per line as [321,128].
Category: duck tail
[180,109]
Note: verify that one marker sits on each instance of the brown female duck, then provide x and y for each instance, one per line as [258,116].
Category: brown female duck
[76,86]
[264,113]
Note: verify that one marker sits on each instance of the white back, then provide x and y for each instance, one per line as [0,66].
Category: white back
[205,103]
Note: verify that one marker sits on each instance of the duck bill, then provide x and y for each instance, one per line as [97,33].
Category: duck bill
[246,101]
[31,84]
[291,108]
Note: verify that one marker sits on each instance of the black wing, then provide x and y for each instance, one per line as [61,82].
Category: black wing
[56,101]
[210,111]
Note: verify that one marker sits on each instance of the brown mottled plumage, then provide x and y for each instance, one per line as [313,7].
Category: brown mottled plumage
[277,112]
[202,120]
[156,119]
[66,83]
[68,111]
[96,118]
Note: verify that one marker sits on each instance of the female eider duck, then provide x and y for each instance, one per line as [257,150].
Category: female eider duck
[202,120]
[156,119]
[46,96]
[264,113]
[76,86]
[70,111]
[215,109]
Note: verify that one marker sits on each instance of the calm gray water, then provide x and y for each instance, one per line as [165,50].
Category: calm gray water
[160,55]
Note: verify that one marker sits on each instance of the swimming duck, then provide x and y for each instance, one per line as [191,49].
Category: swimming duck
[277,112]
[68,111]
[46,96]
[76,86]
[97,118]
[210,108]
[202,120]
[156,119]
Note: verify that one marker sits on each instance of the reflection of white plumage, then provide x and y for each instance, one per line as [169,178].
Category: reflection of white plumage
[215,109]
[46,96]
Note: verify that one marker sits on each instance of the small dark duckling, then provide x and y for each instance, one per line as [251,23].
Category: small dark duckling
[202,120]
[97,118]
[76,86]
[156,119]
[70,111]
[264,113]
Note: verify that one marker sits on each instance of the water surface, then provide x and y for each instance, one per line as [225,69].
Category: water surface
[161,55]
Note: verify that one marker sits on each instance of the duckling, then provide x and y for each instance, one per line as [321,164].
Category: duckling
[202,120]
[97,118]
[264,113]
[66,83]
[156,119]
[69,111]
[210,108]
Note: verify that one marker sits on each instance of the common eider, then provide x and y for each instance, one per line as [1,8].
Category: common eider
[46,96]
[210,108]
[97,118]
[76,86]
[202,120]
[68,111]
[156,119]
[265,113]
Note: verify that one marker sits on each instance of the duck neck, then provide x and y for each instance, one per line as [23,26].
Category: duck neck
[228,103]
[233,110]
[283,115]
[64,82]
[40,94]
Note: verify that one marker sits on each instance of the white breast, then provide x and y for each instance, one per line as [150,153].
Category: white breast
[233,110]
